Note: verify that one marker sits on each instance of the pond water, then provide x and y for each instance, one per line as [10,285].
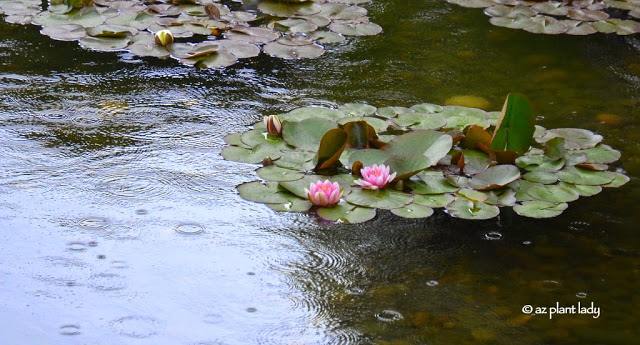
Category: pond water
[120,222]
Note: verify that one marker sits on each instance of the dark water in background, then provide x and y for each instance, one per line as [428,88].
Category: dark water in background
[120,222]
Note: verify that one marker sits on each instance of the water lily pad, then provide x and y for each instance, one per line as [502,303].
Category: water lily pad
[413,210]
[540,209]
[427,108]
[284,9]
[347,213]
[586,177]
[475,162]
[112,31]
[235,139]
[138,20]
[304,113]
[467,209]
[292,205]
[434,145]
[543,177]
[293,25]
[579,28]
[554,8]
[369,157]
[356,29]
[503,197]
[148,49]
[495,177]
[539,163]
[473,195]
[510,11]
[253,155]
[269,193]
[86,16]
[586,14]
[275,173]
[617,181]
[307,134]
[381,198]
[582,190]
[377,124]
[298,160]
[104,44]
[357,109]
[259,136]
[391,112]
[342,11]
[326,37]
[65,32]
[553,193]
[433,182]
[519,22]
[286,51]
[252,34]
[604,26]
[331,146]
[433,200]
[473,3]
[407,165]
[420,120]
[575,138]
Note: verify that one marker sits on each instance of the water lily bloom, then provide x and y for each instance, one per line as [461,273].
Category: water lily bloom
[164,37]
[324,194]
[273,124]
[375,177]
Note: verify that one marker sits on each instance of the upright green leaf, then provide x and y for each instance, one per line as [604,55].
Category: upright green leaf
[514,131]
[331,147]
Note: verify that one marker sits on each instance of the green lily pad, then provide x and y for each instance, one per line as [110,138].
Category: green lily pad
[265,193]
[473,195]
[308,133]
[104,44]
[138,20]
[293,205]
[433,182]
[579,28]
[617,181]
[495,177]
[504,197]
[434,145]
[467,209]
[420,120]
[475,162]
[293,25]
[378,124]
[326,37]
[519,22]
[284,9]
[253,155]
[575,138]
[347,213]
[413,211]
[381,198]
[278,174]
[342,12]
[369,157]
[586,177]
[252,34]
[111,31]
[544,177]
[239,49]
[297,160]
[407,165]
[356,29]
[510,11]
[304,113]
[433,200]
[86,16]
[554,148]
[553,193]
[357,109]
[148,49]
[65,32]
[601,154]
[235,139]
[546,25]
[427,108]
[539,163]
[582,190]
[540,209]
[391,112]
[259,136]
[473,3]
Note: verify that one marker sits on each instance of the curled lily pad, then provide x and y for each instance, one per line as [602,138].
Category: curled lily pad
[503,197]
[65,32]
[347,213]
[495,177]
[413,210]
[275,173]
[586,177]
[575,138]
[467,209]
[356,29]
[617,181]
[540,209]
[381,198]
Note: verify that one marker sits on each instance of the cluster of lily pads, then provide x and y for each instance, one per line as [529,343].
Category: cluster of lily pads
[207,33]
[466,160]
[573,17]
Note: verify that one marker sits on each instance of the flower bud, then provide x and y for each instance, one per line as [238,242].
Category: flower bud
[273,124]
[164,37]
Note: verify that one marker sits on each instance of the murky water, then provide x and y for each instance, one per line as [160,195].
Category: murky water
[120,222]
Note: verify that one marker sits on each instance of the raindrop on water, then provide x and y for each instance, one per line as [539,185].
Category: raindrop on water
[492,236]
[389,316]
[69,330]
[432,283]
[581,295]
[526,243]
[189,229]
[76,246]
[252,310]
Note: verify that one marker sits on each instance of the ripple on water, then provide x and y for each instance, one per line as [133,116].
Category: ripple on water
[94,223]
[213,318]
[492,236]
[76,246]
[132,185]
[107,282]
[189,229]
[432,283]
[581,295]
[137,326]
[119,264]
[69,329]
[389,316]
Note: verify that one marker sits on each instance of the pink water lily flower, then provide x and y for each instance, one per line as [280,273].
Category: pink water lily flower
[324,194]
[375,177]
